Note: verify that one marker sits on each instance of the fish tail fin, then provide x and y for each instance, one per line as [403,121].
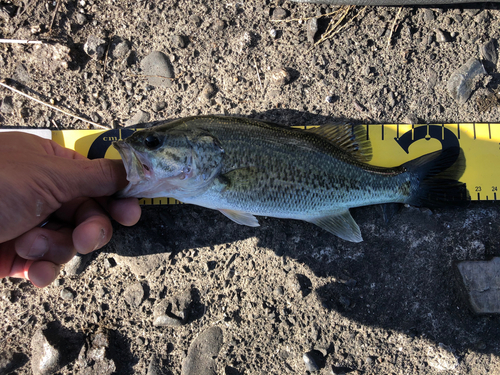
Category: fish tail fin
[435,179]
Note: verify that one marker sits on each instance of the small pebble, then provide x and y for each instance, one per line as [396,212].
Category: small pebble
[345,302]
[179,41]
[219,24]
[312,29]
[280,77]
[428,14]
[460,85]
[279,14]
[139,118]
[134,295]
[9,361]
[489,52]
[109,262]
[410,118]
[196,20]
[67,294]
[95,47]
[442,36]
[391,100]
[80,18]
[159,106]
[7,106]
[310,363]
[120,50]
[329,99]
[208,91]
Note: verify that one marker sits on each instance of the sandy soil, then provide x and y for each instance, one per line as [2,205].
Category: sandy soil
[389,305]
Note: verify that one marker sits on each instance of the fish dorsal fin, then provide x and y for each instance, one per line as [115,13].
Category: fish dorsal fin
[350,138]
[243,218]
[340,224]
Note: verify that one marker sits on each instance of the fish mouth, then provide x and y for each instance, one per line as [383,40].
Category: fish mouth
[136,165]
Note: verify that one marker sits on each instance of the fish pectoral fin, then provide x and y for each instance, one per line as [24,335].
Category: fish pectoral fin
[340,224]
[243,218]
[350,138]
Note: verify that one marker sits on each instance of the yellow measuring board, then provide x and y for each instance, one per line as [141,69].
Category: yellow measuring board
[393,144]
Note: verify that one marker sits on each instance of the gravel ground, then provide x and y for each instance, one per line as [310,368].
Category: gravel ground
[187,291]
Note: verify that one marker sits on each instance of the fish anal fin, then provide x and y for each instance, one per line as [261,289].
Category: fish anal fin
[389,210]
[242,218]
[340,224]
[350,138]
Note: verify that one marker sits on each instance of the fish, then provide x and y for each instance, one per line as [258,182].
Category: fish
[246,168]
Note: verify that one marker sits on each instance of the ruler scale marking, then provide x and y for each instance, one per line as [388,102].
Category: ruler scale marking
[480,143]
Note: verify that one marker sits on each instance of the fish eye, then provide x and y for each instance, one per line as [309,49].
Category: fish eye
[152,142]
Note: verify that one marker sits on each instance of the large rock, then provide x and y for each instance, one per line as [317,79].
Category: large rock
[156,66]
[481,281]
[202,352]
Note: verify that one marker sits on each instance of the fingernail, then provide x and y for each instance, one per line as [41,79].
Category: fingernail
[102,240]
[39,247]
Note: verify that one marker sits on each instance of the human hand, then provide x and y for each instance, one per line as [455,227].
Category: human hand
[38,179]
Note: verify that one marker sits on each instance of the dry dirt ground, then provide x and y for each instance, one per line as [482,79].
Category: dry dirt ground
[389,305]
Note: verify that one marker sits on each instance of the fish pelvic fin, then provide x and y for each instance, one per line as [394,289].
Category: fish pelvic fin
[340,224]
[242,218]
[437,175]
[350,138]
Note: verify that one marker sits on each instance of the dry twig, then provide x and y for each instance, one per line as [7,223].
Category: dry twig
[54,15]
[334,25]
[393,27]
[54,108]
[20,41]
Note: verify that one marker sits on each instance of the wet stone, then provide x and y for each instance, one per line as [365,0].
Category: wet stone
[462,81]
[481,282]
[95,47]
[139,118]
[202,352]
[156,66]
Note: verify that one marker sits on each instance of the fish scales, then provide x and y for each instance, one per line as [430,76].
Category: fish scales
[245,167]
[296,172]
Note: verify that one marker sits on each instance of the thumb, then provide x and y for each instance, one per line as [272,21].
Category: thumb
[90,178]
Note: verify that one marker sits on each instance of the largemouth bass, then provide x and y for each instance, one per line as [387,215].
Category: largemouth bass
[246,168]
